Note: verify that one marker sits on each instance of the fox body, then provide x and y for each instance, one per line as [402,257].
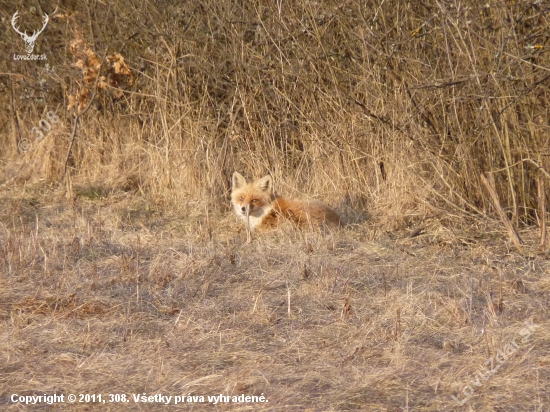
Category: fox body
[259,207]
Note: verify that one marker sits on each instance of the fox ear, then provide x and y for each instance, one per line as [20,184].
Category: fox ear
[238,180]
[265,184]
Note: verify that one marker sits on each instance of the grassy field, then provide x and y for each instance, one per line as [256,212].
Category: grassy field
[125,274]
[114,295]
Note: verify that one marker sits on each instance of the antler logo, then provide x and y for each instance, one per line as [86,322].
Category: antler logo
[29,40]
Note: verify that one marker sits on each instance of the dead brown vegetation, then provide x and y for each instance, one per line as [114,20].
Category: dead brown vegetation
[430,118]
[405,103]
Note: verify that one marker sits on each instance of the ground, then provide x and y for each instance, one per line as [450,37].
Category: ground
[113,294]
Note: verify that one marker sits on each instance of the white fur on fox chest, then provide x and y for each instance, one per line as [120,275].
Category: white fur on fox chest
[256,215]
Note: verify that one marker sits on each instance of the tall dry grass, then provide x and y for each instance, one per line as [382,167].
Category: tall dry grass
[394,106]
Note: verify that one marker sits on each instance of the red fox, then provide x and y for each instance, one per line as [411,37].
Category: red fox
[259,207]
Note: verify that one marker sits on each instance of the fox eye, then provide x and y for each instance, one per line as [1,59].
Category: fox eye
[254,200]
[241,199]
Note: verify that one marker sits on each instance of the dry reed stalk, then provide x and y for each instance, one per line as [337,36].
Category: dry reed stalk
[542,211]
[512,234]
[398,323]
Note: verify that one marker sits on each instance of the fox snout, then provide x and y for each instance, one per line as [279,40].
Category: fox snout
[246,209]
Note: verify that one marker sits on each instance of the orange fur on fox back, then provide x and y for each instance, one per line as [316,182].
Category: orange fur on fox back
[258,206]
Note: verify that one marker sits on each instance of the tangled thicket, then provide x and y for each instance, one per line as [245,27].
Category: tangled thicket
[397,106]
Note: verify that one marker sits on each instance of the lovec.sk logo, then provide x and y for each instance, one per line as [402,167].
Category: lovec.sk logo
[29,40]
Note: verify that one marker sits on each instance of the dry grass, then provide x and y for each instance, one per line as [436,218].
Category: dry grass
[117,295]
[395,106]
[122,269]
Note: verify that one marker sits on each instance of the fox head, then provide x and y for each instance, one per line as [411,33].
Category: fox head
[251,199]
